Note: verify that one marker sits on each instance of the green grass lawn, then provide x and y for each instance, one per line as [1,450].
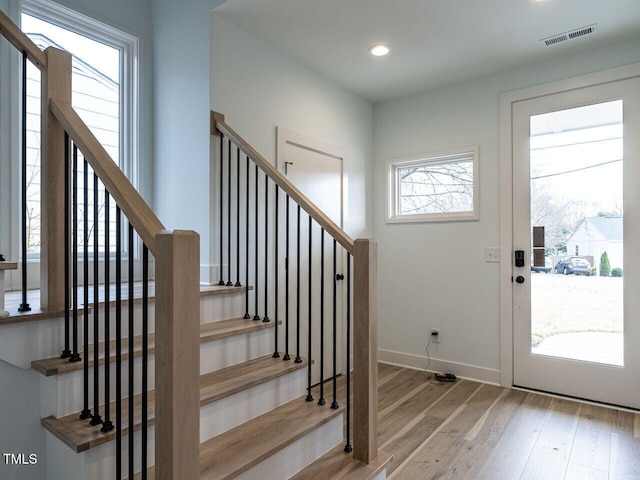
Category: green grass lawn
[570,303]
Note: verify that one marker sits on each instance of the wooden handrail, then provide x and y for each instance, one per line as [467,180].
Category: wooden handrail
[126,196]
[307,205]
[23,43]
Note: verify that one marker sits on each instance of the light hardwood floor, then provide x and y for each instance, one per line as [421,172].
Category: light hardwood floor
[469,430]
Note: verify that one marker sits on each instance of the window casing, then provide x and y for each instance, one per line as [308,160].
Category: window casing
[434,188]
[120,141]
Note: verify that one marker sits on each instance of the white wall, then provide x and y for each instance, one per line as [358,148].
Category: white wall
[434,275]
[20,430]
[257,87]
[182,35]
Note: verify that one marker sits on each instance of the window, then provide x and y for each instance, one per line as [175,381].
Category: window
[104,82]
[431,188]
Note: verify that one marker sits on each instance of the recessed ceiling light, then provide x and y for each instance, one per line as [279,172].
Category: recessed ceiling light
[379,50]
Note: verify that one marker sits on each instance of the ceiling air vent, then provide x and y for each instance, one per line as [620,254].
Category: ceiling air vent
[573,34]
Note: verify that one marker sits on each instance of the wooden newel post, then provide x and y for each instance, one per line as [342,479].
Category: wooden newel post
[177,357]
[56,83]
[365,350]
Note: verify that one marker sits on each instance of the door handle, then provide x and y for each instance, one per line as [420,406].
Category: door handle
[519,279]
[286,167]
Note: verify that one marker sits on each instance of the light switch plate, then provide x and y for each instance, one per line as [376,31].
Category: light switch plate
[492,254]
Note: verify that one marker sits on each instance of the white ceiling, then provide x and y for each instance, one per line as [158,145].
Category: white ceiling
[433,42]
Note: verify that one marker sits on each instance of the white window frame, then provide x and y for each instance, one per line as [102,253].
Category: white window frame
[128,45]
[449,156]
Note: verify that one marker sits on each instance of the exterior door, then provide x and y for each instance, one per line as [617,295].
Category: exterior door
[576,222]
[315,169]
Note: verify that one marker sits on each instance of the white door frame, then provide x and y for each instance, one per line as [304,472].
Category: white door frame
[506,193]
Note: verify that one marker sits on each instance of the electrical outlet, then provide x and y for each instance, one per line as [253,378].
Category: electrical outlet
[435,335]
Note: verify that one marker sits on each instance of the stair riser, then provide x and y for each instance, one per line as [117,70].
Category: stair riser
[241,407]
[295,457]
[99,463]
[225,352]
[68,388]
[22,342]
[218,307]
[214,355]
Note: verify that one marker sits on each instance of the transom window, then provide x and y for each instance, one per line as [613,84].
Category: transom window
[439,187]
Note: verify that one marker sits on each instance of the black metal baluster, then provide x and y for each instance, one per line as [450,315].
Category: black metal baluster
[66,353]
[321,400]
[310,311]
[145,359]
[221,282]
[24,306]
[238,284]
[286,286]
[75,356]
[256,288]
[107,426]
[334,404]
[348,447]
[229,282]
[266,318]
[276,353]
[86,412]
[118,344]
[96,419]
[131,355]
[247,316]
[298,358]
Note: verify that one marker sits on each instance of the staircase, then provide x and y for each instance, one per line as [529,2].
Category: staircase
[154,365]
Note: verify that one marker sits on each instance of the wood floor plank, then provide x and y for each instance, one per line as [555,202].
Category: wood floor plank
[490,429]
[397,387]
[625,457]
[549,457]
[438,452]
[400,416]
[562,418]
[449,403]
[512,451]
[580,472]
[404,445]
[465,462]
[592,443]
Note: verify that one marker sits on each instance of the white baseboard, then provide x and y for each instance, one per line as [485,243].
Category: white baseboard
[419,362]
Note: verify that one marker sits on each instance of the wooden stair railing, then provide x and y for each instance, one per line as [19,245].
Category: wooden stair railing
[364,252]
[176,253]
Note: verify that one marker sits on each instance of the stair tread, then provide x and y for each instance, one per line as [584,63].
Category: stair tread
[338,465]
[13,300]
[208,332]
[238,450]
[80,436]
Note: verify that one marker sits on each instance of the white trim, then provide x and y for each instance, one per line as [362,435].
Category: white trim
[448,156]
[419,362]
[506,193]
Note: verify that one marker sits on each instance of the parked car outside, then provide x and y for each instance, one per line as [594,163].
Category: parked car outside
[575,265]
[545,269]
